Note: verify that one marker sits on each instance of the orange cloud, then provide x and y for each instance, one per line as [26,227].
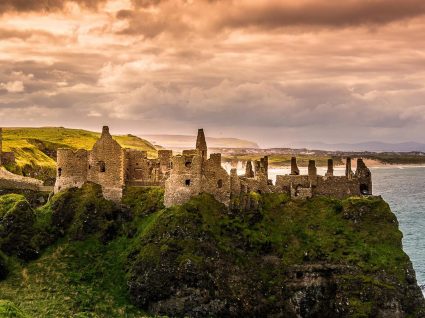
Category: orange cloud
[267,70]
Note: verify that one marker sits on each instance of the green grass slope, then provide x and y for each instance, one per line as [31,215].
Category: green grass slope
[82,273]
[35,148]
[282,258]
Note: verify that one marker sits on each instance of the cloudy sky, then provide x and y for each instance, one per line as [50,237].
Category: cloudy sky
[276,72]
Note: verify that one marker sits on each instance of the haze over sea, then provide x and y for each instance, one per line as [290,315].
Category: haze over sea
[403,187]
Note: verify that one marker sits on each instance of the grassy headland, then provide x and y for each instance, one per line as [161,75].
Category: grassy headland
[80,256]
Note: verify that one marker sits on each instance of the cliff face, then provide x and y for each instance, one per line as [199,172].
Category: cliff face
[318,258]
[283,258]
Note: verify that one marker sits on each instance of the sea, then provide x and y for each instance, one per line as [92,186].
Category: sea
[403,187]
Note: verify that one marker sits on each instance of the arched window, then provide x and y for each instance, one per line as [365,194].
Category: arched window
[219,183]
[59,172]
[187,182]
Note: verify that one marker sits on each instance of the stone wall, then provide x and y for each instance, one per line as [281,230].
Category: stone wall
[164,157]
[8,180]
[185,179]
[71,168]
[305,186]
[364,176]
[111,166]
[216,180]
[337,187]
[191,173]
[106,166]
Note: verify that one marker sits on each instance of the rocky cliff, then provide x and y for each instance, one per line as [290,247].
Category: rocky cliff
[79,255]
[317,258]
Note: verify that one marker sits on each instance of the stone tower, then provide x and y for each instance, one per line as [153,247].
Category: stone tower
[106,166]
[201,144]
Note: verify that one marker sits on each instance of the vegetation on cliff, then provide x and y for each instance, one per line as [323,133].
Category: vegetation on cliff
[281,258]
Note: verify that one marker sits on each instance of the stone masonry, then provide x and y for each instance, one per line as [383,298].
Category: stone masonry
[193,172]
[111,166]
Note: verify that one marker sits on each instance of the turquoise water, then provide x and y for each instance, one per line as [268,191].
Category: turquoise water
[404,190]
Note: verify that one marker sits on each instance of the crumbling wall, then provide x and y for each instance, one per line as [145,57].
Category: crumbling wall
[8,180]
[141,171]
[164,157]
[338,187]
[137,165]
[215,179]
[106,166]
[284,183]
[364,177]
[301,193]
[185,179]
[201,144]
[191,173]
[71,168]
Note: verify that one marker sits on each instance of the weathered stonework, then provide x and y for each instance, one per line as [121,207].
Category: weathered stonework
[72,168]
[192,173]
[111,166]
[352,184]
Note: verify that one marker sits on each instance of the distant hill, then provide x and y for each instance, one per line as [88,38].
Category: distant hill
[373,146]
[186,141]
[35,148]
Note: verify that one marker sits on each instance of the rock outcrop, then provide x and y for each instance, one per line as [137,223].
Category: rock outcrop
[315,258]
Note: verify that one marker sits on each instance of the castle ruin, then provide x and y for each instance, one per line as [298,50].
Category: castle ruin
[111,166]
[193,172]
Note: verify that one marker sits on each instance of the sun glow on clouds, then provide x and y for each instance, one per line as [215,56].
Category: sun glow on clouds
[272,71]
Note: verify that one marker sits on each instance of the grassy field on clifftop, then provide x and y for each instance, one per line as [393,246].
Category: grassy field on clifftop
[81,256]
[35,148]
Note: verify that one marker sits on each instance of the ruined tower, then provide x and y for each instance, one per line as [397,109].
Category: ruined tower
[348,171]
[364,176]
[330,171]
[249,172]
[294,167]
[106,165]
[193,173]
[201,144]
[312,172]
